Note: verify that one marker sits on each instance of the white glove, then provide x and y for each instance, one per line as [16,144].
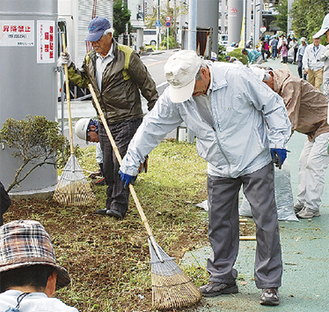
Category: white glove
[64,59]
[327,53]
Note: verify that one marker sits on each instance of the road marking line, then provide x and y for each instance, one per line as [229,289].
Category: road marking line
[155,63]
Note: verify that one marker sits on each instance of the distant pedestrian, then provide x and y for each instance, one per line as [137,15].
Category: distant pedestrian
[254,56]
[294,46]
[232,59]
[274,44]
[284,52]
[281,38]
[325,55]
[300,54]
[312,64]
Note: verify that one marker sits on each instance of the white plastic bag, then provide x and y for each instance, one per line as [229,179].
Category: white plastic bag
[283,196]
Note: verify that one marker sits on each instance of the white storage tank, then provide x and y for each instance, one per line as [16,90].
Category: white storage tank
[28,80]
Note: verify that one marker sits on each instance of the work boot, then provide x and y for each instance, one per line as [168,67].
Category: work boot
[213,289]
[270,297]
[298,207]
[307,213]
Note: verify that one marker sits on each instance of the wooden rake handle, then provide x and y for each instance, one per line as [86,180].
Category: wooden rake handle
[118,156]
[68,99]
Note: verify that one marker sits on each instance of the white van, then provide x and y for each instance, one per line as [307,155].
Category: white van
[150,36]
[223,40]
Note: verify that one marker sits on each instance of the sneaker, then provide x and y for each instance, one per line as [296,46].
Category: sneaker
[110,212]
[298,207]
[270,297]
[307,213]
[114,213]
[213,289]
[101,211]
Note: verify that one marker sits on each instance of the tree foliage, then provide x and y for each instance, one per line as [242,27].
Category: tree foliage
[282,17]
[165,10]
[307,16]
[121,17]
[36,141]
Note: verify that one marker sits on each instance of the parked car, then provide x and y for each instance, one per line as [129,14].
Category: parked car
[223,40]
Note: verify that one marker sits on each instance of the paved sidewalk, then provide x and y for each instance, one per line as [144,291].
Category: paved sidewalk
[305,247]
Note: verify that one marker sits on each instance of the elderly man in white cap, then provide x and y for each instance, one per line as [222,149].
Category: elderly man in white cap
[29,274]
[325,55]
[239,123]
[312,64]
[118,76]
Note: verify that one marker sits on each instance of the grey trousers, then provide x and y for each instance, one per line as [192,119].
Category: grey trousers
[223,197]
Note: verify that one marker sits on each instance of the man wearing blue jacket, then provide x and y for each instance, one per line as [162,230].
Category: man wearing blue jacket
[241,127]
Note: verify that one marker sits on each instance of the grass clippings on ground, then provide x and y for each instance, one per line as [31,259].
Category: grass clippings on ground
[108,259]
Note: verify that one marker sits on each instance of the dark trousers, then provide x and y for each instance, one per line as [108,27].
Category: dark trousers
[295,54]
[300,67]
[117,194]
[223,197]
[274,52]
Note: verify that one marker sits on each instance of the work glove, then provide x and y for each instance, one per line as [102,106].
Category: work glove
[278,156]
[64,59]
[127,178]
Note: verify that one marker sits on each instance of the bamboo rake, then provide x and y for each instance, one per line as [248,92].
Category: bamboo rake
[171,288]
[73,187]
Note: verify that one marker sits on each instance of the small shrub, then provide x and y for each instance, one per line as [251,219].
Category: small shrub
[36,141]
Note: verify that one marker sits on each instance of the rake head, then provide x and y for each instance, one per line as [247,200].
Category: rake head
[73,188]
[171,287]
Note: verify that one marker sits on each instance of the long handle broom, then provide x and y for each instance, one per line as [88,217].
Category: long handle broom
[171,287]
[72,188]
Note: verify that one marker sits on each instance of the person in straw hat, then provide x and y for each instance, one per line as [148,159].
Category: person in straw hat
[29,274]
[239,123]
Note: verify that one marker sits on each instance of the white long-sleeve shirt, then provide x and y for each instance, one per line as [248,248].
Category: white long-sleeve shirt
[248,119]
[311,58]
[36,301]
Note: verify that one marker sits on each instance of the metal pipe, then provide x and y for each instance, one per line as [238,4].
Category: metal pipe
[192,25]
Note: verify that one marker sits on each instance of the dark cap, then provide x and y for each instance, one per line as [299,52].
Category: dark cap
[97,27]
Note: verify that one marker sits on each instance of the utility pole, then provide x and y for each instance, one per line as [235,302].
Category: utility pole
[174,21]
[192,24]
[158,25]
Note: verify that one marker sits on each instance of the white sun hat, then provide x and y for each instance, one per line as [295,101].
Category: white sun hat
[324,27]
[180,71]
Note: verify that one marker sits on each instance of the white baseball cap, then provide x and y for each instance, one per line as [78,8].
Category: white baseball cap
[259,72]
[324,27]
[180,71]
